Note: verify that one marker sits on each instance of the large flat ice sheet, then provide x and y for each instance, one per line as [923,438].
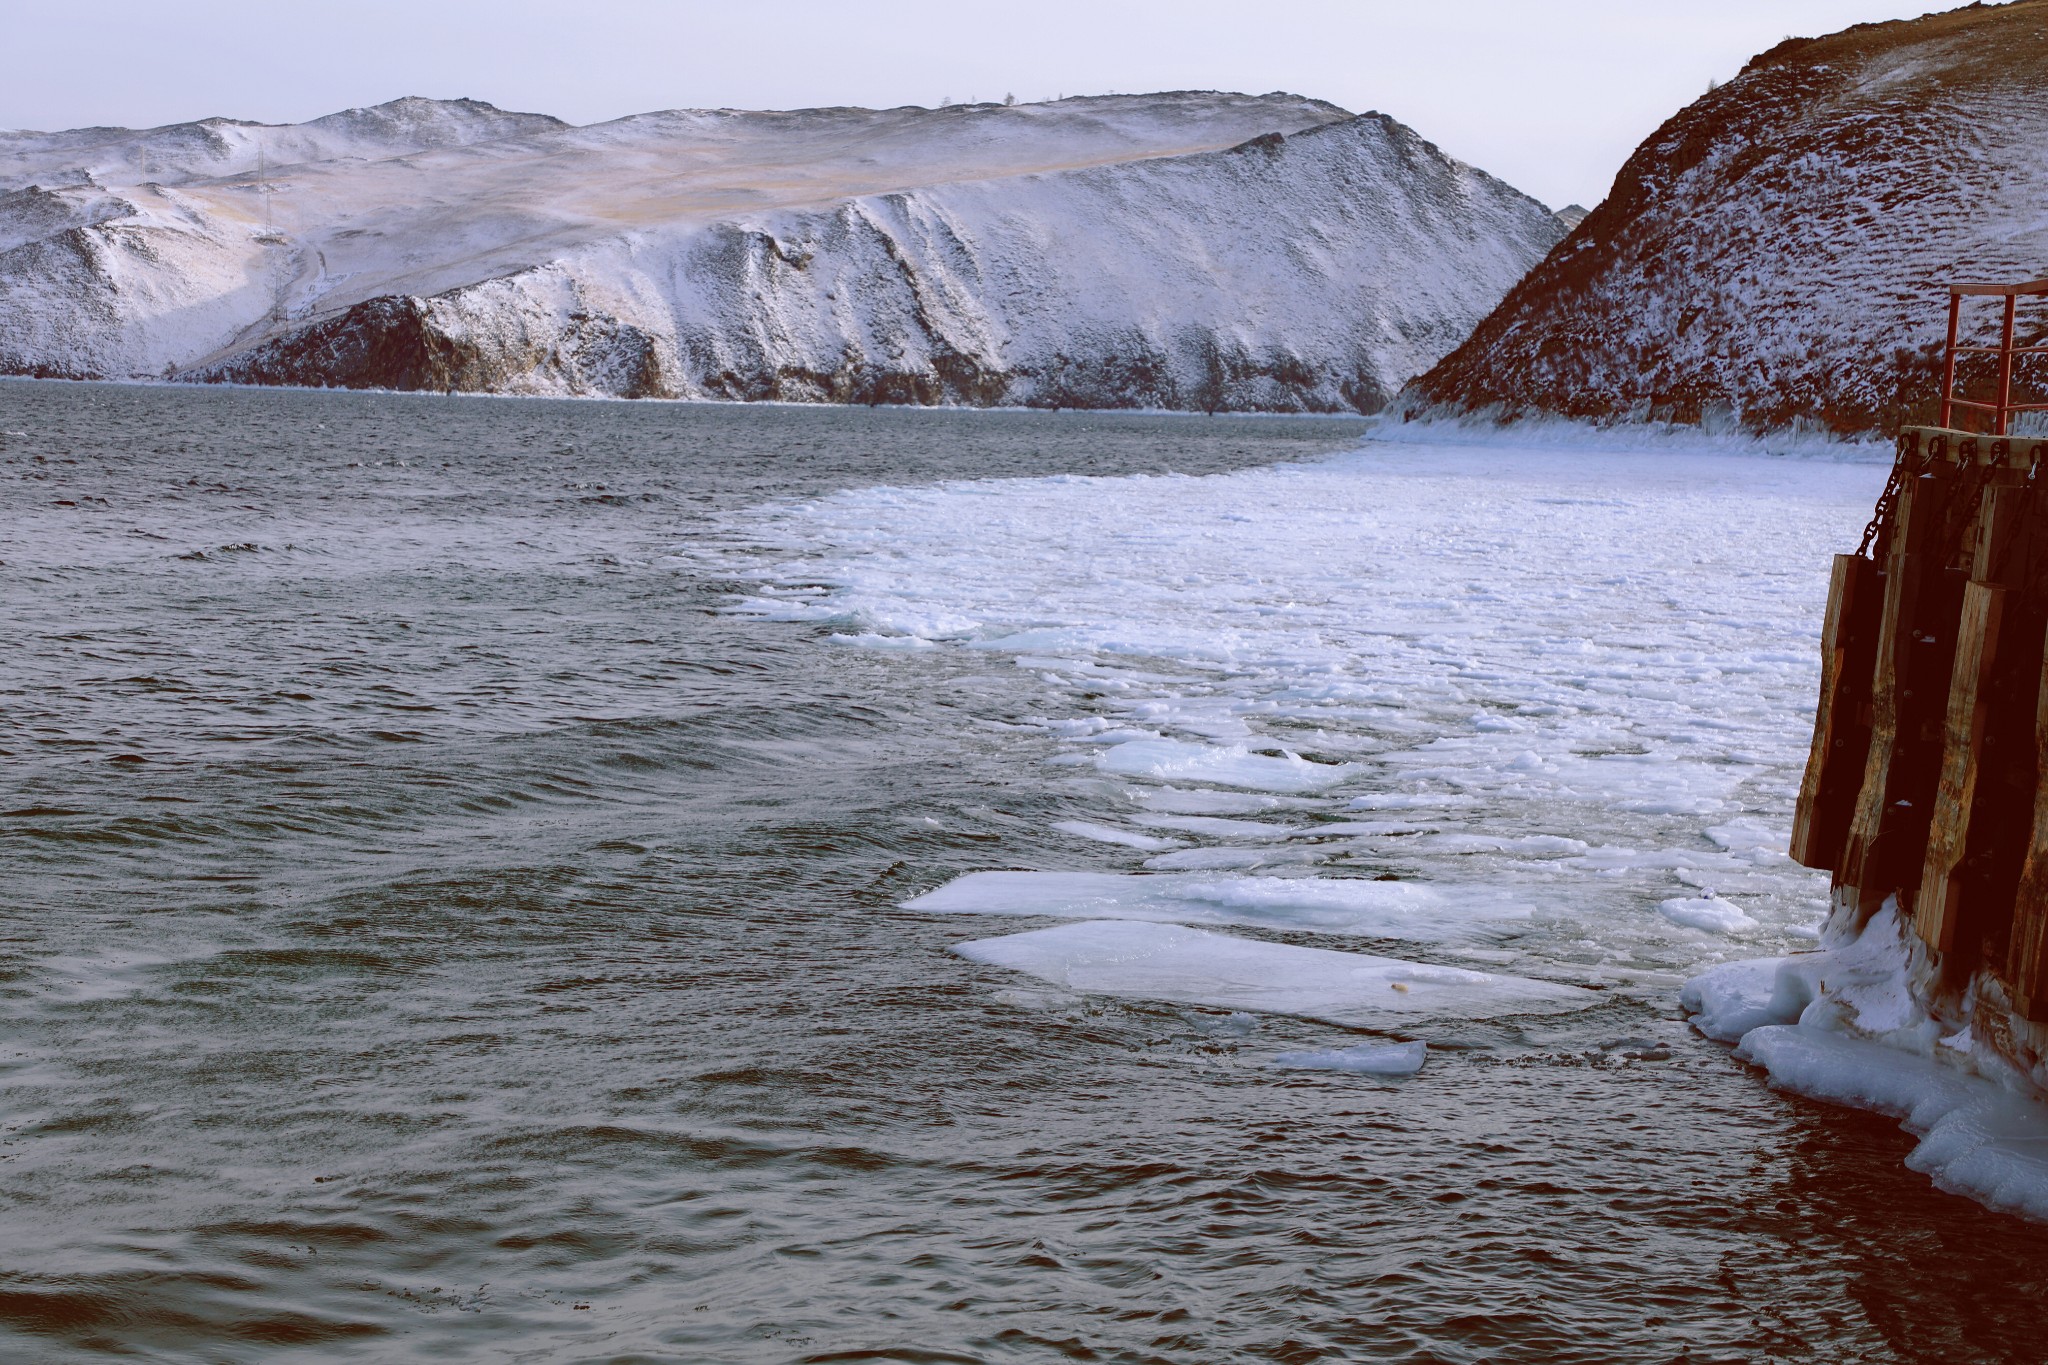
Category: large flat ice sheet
[1331,905]
[1195,967]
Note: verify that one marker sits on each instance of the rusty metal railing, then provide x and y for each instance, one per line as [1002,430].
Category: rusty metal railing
[2001,411]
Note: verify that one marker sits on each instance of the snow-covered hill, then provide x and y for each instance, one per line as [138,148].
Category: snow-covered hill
[1189,250]
[1776,249]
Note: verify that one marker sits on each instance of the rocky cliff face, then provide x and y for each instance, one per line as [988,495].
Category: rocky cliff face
[1775,250]
[1194,251]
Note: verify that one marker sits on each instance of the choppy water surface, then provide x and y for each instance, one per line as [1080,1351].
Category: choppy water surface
[433,929]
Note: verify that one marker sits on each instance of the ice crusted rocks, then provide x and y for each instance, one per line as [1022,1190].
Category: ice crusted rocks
[1196,251]
[1848,1025]
[1768,252]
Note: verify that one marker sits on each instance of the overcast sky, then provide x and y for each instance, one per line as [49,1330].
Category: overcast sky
[1551,95]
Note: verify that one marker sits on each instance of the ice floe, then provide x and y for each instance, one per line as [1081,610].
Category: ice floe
[1201,801]
[1186,966]
[1222,827]
[1216,859]
[1370,1059]
[1707,912]
[1331,905]
[1565,688]
[1232,766]
[1586,674]
[1109,834]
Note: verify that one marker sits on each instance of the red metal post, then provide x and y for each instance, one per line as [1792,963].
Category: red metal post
[2005,366]
[1948,376]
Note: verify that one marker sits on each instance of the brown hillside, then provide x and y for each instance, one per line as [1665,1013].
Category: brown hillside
[1775,250]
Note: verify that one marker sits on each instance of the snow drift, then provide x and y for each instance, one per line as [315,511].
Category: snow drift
[1192,250]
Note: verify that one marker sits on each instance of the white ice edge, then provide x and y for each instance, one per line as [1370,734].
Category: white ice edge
[1367,1059]
[1226,766]
[1375,909]
[1179,965]
[1844,1026]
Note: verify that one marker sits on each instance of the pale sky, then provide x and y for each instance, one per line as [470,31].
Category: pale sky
[1550,95]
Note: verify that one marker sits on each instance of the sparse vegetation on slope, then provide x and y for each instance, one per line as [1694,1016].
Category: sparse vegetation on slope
[1774,251]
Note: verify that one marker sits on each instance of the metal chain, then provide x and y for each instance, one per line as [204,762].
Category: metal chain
[1887,508]
[1960,516]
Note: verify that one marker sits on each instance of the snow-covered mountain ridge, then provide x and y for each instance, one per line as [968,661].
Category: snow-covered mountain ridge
[1776,249]
[1185,250]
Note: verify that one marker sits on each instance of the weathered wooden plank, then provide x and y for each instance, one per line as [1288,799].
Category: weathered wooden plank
[1939,910]
[1864,865]
[1966,866]
[1997,529]
[1887,841]
[1841,721]
[2027,959]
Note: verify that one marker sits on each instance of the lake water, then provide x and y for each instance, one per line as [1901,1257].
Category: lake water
[453,856]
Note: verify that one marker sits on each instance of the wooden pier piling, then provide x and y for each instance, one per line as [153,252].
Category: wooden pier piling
[1927,782]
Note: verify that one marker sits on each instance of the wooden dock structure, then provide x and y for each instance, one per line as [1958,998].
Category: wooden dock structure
[1928,777]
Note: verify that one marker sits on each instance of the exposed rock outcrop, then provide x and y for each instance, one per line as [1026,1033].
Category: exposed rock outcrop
[1775,250]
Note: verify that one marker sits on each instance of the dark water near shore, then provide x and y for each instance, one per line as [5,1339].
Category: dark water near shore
[429,931]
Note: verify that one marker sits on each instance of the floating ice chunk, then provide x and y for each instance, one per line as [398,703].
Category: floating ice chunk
[1121,735]
[1371,1059]
[870,640]
[1413,801]
[1529,845]
[1232,766]
[1728,1001]
[1216,827]
[1977,1138]
[1236,1024]
[1048,640]
[1178,802]
[1710,913]
[1225,859]
[1379,828]
[1762,844]
[1195,967]
[1613,858]
[1647,783]
[1109,834]
[1403,910]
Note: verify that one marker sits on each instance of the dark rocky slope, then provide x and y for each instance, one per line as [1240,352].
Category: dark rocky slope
[1775,250]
